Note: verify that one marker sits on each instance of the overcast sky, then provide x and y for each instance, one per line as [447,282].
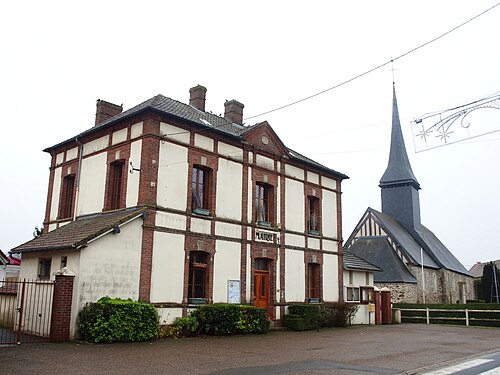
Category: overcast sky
[58,58]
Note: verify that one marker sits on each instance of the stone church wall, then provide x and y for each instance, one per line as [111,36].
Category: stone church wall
[441,286]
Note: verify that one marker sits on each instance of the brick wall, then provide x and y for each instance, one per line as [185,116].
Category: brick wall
[61,308]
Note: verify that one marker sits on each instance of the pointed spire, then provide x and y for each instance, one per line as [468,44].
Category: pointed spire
[398,169]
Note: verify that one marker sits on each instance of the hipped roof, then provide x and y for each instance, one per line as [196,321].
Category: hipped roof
[207,120]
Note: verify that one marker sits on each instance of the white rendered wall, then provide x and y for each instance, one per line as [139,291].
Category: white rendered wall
[293,171]
[29,271]
[168,315]
[56,189]
[92,184]
[172,176]
[295,287]
[229,189]
[167,274]
[294,213]
[110,265]
[264,162]
[136,130]
[227,264]
[173,132]
[330,278]
[329,214]
[71,154]
[230,151]
[119,136]
[133,179]
[204,142]
[95,145]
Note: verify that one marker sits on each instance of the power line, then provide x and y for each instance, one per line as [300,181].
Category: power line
[376,67]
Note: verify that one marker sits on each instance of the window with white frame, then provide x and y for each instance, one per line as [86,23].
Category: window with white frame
[352,294]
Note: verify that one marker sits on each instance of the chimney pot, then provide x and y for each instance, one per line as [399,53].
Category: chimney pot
[105,110]
[234,111]
[197,96]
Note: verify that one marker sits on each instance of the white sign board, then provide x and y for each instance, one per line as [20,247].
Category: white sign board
[233,291]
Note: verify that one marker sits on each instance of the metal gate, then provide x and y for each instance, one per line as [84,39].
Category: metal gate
[25,311]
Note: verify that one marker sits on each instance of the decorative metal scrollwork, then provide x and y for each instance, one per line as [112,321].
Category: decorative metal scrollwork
[456,124]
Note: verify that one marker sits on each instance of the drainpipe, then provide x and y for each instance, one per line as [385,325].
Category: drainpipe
[77,194]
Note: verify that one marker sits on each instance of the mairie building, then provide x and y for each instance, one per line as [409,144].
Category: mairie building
[170,204]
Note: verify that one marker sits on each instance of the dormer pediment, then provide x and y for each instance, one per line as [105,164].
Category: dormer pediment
[263,137]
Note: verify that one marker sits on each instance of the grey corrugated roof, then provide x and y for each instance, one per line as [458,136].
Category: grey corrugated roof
[398,168]
[353,262]
[79,232]
[378,250]
[189,113]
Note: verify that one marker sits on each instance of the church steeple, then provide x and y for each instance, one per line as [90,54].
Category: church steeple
[399,186]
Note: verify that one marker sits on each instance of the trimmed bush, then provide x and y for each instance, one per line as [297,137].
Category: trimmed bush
[181,327]
[221,319]
[311,314]
[304,317]
[296,322]
[117,320]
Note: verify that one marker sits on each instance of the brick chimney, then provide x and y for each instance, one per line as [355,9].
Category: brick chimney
[197,97]
[234,111]
[106,110]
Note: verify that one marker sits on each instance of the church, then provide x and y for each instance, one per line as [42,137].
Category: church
[416,266]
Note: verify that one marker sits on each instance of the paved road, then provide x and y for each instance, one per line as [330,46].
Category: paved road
[405,348]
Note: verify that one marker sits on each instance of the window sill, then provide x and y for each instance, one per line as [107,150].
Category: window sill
[201,211]
[315,233]
[263,224]
[197,301]
[312,300]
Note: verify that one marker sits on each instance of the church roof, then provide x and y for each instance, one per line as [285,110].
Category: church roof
[435,254]
[79,232]
[378,250]
[408,244]
[398,168]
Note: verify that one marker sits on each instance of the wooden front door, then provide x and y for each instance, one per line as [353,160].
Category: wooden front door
[261,284]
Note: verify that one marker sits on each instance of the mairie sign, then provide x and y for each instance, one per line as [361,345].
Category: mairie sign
[264,236]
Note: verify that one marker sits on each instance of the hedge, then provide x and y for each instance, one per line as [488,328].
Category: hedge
[303,317]
[117,320]
[450,317]
[221,319]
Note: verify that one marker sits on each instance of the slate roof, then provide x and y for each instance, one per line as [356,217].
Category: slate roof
[353,262]
[182,111]
[435,254]
[477,269]
[408,244]
[79,232]
[398,168]
[377,250]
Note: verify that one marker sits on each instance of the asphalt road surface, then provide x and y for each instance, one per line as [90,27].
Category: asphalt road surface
[392,349]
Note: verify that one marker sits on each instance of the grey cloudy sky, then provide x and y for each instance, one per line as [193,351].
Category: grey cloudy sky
[59,57]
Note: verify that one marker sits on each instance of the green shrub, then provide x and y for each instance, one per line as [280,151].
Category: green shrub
[117,320]
[310,312]
[313,316]
[295,322]
[181,327]
[221,319]
[338,314]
